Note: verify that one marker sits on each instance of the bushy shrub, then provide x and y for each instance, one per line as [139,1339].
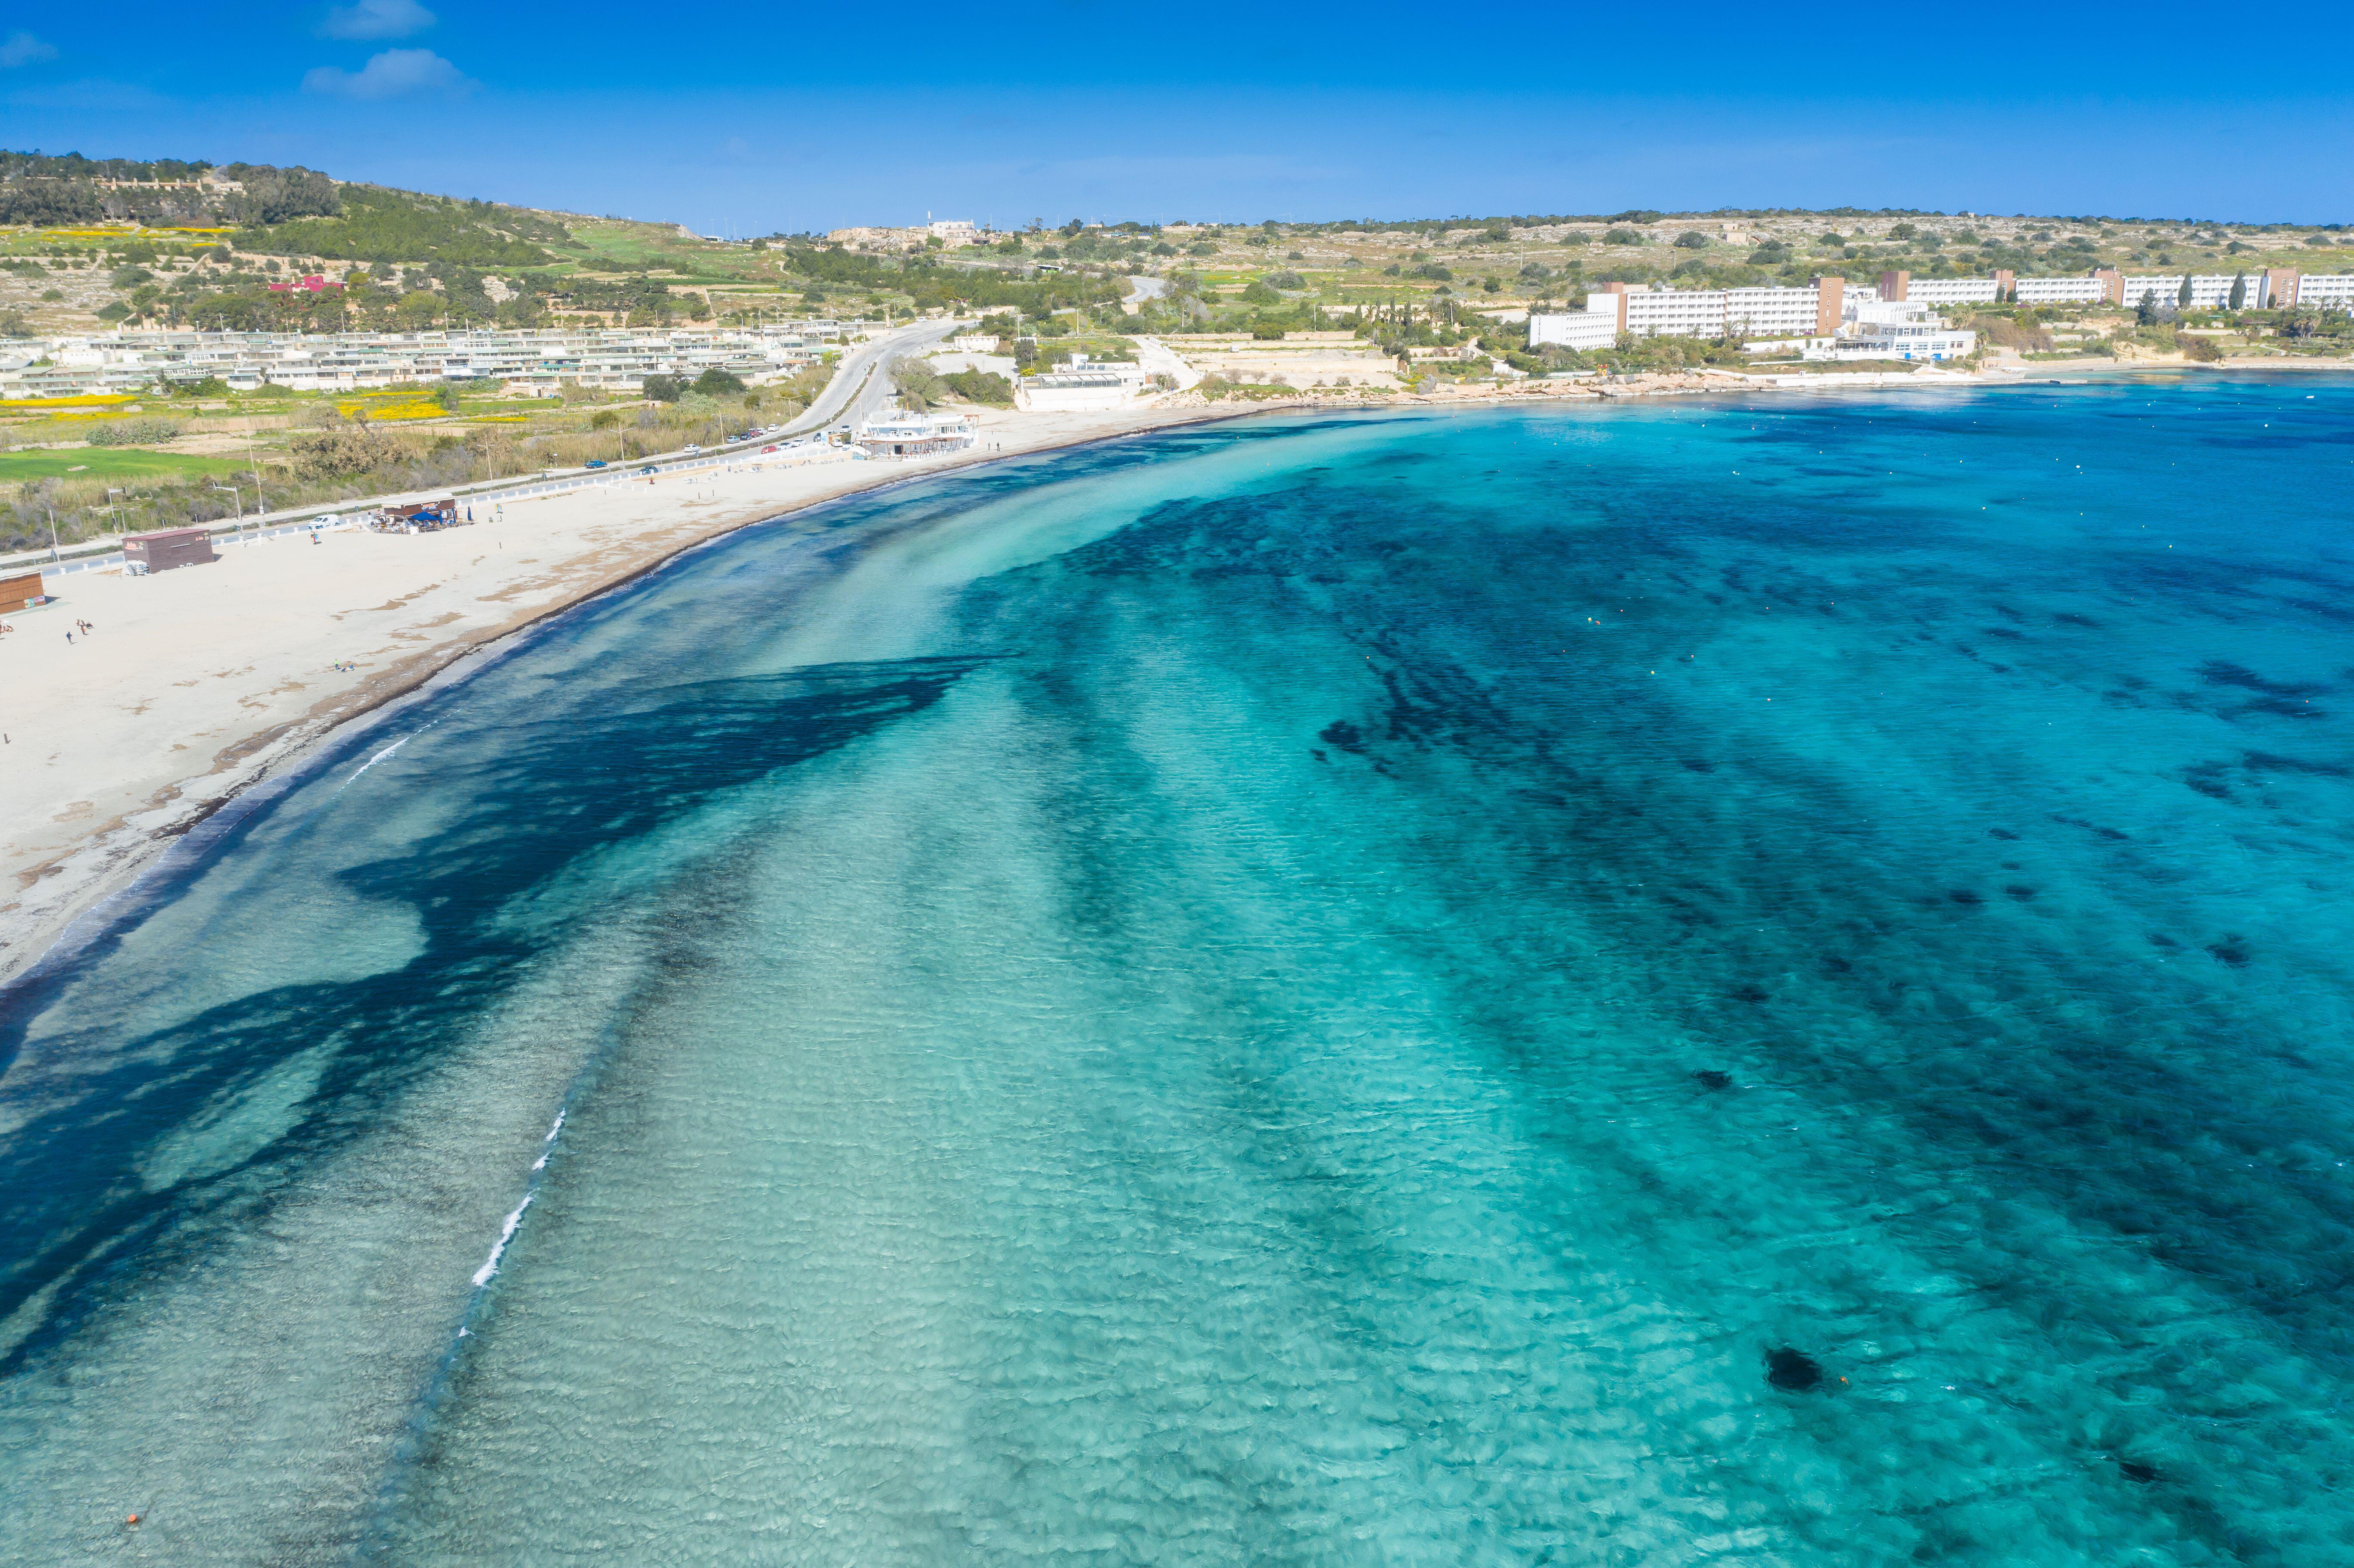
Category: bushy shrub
[981,386]
[133,432]
[338,454]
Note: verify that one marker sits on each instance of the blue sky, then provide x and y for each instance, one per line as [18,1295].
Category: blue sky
[759,117]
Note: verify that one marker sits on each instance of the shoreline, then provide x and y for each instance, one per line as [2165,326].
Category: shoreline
[104,858]
[69,879]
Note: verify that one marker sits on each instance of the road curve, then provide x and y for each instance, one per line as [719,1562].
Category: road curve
[856,389]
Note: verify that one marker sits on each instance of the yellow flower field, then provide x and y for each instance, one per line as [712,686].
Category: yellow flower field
[88,400]
[412,409]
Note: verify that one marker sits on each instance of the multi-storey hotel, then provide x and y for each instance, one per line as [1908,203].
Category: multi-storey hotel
[1855,315]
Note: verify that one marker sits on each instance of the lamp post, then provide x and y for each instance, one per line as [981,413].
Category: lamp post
[259,504]
[239,502]
[117,506]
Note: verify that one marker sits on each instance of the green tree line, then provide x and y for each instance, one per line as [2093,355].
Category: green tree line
[380,225]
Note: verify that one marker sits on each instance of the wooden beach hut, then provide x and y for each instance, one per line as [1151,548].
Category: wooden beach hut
[166,548]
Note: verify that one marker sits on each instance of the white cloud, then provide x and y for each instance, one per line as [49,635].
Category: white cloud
[24,49]
[376,19]
[396,73]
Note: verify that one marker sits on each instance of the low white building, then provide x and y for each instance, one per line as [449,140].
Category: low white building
[896,432]
[1930,340]
[1083,391]
[1594,327]
[1081,386]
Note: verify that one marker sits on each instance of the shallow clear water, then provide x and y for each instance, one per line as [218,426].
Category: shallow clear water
[1147,1005]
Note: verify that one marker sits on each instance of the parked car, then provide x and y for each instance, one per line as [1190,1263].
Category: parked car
[595,462]
[771,447]
[649,469]
[693,452]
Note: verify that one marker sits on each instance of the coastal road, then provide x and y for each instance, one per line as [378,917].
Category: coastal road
[857,389]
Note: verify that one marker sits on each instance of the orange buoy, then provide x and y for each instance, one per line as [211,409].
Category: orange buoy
[133,1519]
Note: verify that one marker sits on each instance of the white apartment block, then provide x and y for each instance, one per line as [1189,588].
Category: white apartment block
[1859,311]
[1702,313]
[2329,291]
[1951,290]
[537,360]
[2153,289]
[2212,290]
[2061,290]
[1674,312]
[1768,312]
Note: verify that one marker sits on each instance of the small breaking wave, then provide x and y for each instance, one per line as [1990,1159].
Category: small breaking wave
[483,1275]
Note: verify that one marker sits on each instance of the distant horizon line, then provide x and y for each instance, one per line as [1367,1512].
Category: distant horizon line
[1630,214]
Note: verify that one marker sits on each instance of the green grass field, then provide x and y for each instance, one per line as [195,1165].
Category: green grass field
[108,463]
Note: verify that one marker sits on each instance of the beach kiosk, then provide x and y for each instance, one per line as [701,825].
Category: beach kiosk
[421,516]
[21,591]
[166,549]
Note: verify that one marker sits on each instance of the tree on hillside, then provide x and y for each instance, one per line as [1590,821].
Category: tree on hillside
[50,202]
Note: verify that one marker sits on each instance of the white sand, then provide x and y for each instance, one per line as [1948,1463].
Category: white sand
[197,683]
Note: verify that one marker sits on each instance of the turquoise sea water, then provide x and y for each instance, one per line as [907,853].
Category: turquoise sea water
[1719,982]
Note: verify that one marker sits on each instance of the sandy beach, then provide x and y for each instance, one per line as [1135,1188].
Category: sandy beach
[194,684]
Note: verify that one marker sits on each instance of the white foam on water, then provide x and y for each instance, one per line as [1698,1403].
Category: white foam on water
[541,1163]
[380,755]
[506,1234]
